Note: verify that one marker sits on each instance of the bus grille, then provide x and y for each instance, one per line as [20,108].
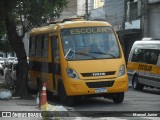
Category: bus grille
[95,74]
[100,84]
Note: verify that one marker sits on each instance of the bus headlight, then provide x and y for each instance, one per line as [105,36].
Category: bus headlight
[121,71]
[72,74]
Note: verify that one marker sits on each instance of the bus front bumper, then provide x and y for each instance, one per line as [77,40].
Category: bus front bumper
[79,87]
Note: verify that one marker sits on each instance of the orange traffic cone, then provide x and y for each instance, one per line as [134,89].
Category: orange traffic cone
[43,98]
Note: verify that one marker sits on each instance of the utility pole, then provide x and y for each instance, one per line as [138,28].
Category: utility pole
[86,9]
[144,19]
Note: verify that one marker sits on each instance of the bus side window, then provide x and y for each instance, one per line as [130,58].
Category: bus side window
[55,47]
[38,46]
[32,46]
[57,50]
[44,46]
[153,57]
[135,56]
[158,61]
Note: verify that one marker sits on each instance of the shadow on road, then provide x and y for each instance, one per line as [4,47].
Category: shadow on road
[83,101]
[148,90]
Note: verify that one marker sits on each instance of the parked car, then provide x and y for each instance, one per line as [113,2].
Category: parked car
[1,70]
[2,61]
[15,61]
[9,60]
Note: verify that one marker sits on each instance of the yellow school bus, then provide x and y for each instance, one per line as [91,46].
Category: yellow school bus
[78,58]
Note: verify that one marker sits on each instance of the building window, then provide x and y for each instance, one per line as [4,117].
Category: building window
[133,9]
[98,3]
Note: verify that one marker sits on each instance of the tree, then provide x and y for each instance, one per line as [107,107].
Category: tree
[5,46]
[24,15]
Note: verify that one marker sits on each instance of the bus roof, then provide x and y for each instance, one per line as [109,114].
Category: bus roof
[148,42]
[151,44]
[42,30]
[68,24]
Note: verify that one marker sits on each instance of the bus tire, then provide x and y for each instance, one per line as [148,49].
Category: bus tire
[64,99]
[136,85]
[118,97]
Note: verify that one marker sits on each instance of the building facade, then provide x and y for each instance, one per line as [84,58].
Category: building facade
[133,20]
[114,13]
[142,19]
[151,19]
[70,11]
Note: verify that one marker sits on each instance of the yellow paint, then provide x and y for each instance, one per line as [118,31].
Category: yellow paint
[143,67]
[78,87]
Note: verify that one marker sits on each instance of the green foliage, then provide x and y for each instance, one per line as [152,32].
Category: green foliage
[2,29]
[31,13]
[5,46]
[28,13]
[39,11]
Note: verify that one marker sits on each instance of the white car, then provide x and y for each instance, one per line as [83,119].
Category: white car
[9,60]
[1,70]
[15,61]
[2,61]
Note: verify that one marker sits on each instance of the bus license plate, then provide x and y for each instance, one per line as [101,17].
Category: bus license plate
[100,90]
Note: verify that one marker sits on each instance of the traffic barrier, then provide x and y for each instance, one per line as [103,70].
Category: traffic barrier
[43,98]
[50,111]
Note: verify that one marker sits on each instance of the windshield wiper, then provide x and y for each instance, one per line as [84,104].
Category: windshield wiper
[104,53]
[70,53]
[81,53]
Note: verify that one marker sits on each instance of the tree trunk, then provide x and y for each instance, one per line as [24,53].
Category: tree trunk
[18,46]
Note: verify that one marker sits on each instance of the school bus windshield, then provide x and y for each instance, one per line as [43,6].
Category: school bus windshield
[86,43]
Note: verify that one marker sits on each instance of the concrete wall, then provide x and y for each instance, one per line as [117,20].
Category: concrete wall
[98,13]
[154,21]
[70,10]
[81,7]
[114,13]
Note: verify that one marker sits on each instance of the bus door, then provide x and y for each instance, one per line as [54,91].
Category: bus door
[55,61]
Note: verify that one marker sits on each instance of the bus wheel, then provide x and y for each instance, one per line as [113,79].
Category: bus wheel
[118,97]
[64,99]
[136,85]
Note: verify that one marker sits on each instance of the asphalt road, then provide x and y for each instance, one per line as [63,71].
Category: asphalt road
[146,100]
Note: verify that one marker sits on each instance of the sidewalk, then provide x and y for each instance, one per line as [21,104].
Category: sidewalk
[11,105]
[19,105]
[24,108]
[28,107]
